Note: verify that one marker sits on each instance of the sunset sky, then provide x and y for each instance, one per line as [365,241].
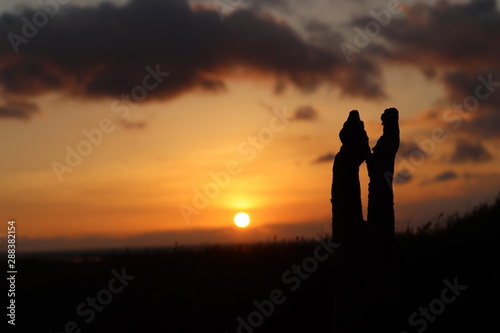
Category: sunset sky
[252,93]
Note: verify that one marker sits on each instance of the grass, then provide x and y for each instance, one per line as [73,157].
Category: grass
[208,288]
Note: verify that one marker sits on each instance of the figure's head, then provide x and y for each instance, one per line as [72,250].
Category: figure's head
[352,128]
[390,116]
[353,116]
[353,135]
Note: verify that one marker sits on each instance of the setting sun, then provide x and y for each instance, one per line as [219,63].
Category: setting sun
[242,220]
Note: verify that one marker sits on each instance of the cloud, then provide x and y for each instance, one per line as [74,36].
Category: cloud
[476,99]
[193,237]
[316,26]
[321,33]
[402,177]
[406,149]
[265,5]
[446,175]
[328,157]
[102,51]
[18,110]
[305,112]
[486,124]
[470,152]
[133,124]
[455,43]
[450,35]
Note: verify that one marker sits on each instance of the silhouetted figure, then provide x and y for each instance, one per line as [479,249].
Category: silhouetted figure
[363,262]
[380,195]
[347,215]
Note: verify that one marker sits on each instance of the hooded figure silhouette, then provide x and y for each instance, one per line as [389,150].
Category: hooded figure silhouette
[364,261]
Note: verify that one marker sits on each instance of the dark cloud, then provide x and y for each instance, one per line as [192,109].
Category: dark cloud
[407,149]
[103,52]
[469,175]
[446,175]
[476,99]
[18,110]
[455,43]
[322,34]
[279,87]
[402,177]
[133,124]
[328,157]
[316,26]
[305,112]
[275,110]
[265,5]
[470,152]
[450,35]
[486,124]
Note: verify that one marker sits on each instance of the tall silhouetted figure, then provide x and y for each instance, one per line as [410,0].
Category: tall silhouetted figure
[364,261]
[347,215]
[380,195]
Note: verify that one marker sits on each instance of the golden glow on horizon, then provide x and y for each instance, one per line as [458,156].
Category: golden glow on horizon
[242,220]
[281,185]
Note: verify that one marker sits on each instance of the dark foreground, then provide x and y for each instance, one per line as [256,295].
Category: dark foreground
[447,281]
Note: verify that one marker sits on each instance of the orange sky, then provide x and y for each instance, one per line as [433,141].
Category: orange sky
[152,162]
